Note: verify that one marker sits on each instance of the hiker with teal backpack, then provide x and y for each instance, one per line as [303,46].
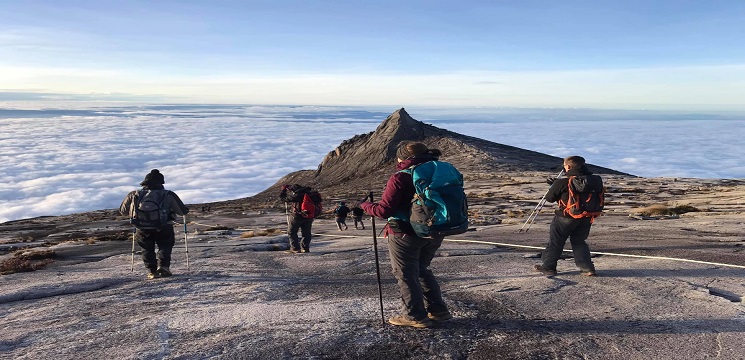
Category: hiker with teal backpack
[306,206]
[341,213]
[423,202]
[151,211]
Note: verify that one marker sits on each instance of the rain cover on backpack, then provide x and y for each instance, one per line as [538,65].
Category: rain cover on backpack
[586,197]
[150,211]
[311,206]
[439,207]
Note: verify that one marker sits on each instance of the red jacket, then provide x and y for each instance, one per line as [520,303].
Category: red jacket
[398,193]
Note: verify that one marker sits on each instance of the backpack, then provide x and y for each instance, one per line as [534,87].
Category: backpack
[310,206]
[341,211]
[586,197]
[150,211]
[439,207]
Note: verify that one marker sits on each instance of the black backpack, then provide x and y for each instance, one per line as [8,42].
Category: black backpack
[586,197]
[150,209]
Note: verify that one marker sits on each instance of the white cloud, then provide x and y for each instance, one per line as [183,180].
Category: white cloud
[70,164]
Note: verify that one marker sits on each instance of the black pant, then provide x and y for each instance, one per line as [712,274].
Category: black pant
[164,238]
[410,259]
[577,231]
[304,225]
[358,219]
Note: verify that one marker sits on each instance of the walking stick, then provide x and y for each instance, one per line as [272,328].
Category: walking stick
[377,262]
[538,208]
[186,245]
[134,230]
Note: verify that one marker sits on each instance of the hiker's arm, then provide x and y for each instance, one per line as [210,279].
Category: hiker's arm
[125,207]
[554,192]
[389,201]
[177,206]
[295,197]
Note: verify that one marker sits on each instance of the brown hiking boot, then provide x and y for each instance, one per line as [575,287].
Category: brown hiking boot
[292,251]
[588,273]
[402,320]
[544,271]
[152,275]
[440,316]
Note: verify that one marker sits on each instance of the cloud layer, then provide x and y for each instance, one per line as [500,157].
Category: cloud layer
[65,161]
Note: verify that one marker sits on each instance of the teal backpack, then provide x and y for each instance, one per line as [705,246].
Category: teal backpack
[439,207]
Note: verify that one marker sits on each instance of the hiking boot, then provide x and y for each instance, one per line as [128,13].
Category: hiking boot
[588,273]
[292,251]
[402,320]
[164,271]
[440,316]
[152,275]
[544,271]
[305,250]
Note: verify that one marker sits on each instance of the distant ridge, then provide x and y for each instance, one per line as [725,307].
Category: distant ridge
[365,161]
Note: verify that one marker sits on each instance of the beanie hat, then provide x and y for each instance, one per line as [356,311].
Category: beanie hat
[407,149]
[153,178]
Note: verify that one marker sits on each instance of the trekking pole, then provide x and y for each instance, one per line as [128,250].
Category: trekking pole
[287,215]
[533,215]
[377,262]
[186,245]
[134,230]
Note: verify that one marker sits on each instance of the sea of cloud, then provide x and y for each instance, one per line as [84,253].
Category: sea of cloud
[60,161]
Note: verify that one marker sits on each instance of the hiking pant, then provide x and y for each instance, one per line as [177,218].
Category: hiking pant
[341,221]
[164,238]
[304,225]
[577,230]
[410,259]
[358,219]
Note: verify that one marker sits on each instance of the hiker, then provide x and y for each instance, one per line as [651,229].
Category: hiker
[564,225]
[357,213]
[341,212]
[410,254]
[152,211]
[306,205]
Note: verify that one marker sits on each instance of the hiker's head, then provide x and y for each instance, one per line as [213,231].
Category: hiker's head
[408,149]
[153,178]
[573,162]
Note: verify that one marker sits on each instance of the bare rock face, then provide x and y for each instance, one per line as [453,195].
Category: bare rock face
[364,162]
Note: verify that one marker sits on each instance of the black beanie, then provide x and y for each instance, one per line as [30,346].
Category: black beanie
[153,178]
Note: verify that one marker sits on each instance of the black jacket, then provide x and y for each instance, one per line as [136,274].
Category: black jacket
[559,190]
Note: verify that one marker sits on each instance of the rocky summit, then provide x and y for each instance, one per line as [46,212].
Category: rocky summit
[668,253]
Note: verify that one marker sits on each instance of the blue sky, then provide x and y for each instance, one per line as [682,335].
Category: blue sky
[600,54]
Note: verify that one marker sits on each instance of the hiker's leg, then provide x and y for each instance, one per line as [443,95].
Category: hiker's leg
[165,239]
[338,223]
[305,230]
[580,249]
[404,251]
[558,233]
[344,222]
[147,243]
[430,287]
[292,233]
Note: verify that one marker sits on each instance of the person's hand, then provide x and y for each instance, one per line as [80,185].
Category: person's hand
[285,187]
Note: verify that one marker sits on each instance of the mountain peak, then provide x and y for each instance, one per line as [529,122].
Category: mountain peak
[366,161]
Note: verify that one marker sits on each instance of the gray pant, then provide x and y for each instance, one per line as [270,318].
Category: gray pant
[577,231]
[304,225]
[410,259]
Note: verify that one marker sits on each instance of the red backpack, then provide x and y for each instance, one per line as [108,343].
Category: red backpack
[586,197]
[311,205]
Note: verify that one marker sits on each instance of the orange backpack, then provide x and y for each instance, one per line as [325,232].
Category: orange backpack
[586,197]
